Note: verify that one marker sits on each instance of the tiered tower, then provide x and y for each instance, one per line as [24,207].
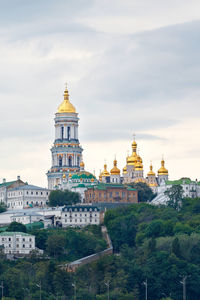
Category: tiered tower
[66,151]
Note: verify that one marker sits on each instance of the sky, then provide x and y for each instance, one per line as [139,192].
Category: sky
[131,67]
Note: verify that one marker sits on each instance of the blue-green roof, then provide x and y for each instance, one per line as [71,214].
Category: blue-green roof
[14,233]
[83,175]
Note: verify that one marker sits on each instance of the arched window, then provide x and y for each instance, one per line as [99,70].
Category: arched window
[70,161]
[78,161]
[62,133]
[60,161]
[68,133]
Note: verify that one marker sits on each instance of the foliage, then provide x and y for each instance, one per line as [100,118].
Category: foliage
[160,244]
[15,226]
[145,193]
[60,198]
[175,196]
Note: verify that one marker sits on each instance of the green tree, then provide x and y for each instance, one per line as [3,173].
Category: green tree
[60,198]
[145,193]
[15,226]
[55,245]
[176,247]
[175,196]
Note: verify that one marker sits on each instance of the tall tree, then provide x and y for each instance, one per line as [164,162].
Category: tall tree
[175,196]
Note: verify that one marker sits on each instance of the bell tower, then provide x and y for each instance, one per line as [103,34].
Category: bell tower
[66,151]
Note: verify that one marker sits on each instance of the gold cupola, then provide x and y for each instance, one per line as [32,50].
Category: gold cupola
[162,170]
[105,173]
[115,170]
[151,172]
[66,106]
[132,160]
[125,170]
[82,165]
[139,165]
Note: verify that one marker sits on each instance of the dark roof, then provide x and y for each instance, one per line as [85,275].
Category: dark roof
[80,208]
[28,187]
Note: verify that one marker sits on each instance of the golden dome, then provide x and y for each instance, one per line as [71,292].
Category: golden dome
[151,172]
[139,165]
[105,173]
[162,170]
[115,170]
[70,175]
[64,176]
[92,180]
[82,165]
[66,106]
[132,160]
[125,170]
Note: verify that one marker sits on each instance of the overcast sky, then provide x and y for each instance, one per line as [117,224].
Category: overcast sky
[131,67]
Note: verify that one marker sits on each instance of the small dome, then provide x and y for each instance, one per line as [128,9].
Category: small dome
[139,165]
[64,176]
[162,170]
[105,173]
[66,106]
[115,170]
[125,170]
[151,172]
[82,165]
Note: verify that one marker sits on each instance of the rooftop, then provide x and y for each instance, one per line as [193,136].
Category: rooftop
[28,187]
[7,233]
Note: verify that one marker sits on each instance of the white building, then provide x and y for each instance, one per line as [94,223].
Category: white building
[17,242]
[27,196]
[79,216]
[6,186]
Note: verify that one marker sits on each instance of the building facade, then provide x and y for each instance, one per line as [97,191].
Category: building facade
[5,187]
[17,242]
[66,151]
[111,193]
[26,196]
[79,216]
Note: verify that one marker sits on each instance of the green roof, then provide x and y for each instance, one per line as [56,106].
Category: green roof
[104,186]
[7,183]
[35,225]
[14,233]
[180,181]
[83,175]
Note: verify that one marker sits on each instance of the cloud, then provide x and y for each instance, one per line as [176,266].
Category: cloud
[130,68]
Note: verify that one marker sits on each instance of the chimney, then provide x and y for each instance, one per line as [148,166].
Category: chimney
[4,180]
[18,177]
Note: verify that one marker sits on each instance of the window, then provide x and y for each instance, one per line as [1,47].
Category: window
[9,245]
[68,133]
[23,246]
[17,239]
[75,220]
[80,220]
[41,193]
[62,133]
[23,239]
[36,193]
[30,246]
[27,193]
[31,193]
[9,239]
[30,239]
[60,161]
[17,245]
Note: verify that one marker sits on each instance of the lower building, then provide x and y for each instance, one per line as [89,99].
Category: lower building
[17,242]
[105,192]
[79,216]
